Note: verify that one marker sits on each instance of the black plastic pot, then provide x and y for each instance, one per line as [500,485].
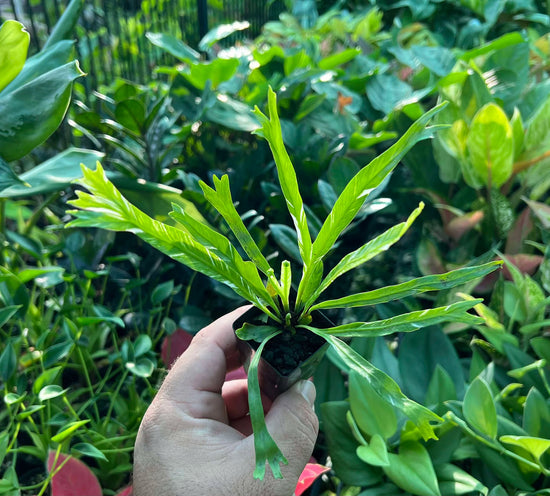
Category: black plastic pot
[304,348]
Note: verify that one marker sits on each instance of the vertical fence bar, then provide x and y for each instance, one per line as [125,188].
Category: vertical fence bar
[46,15]
[202,17]
[35,37]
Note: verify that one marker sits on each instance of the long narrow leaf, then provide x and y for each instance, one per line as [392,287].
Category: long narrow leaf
[408,322]
[108,209]
[271,131]
[218,244]
[369,177]
[366,252]
[221,200]
[384,385]
[265,447]
[413,287]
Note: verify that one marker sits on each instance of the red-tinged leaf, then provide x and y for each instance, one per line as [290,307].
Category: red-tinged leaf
[459,226]
[519,232]
[174,345]
[308,476]
[126,491]
[527,264]
[236,374]
[73,479]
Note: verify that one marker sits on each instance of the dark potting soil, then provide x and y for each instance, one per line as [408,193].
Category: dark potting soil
[287,351]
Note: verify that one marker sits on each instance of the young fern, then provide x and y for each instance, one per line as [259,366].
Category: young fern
[207,251]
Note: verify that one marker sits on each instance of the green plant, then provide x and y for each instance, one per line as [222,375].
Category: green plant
[211,253]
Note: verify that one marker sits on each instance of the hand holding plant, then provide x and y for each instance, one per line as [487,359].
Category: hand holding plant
[192,434]
[207,251]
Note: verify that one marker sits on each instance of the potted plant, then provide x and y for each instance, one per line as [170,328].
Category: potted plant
[281,316]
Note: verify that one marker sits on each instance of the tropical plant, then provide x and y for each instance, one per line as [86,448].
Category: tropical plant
[207,251]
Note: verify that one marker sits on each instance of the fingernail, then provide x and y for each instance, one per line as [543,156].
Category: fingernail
[307,390]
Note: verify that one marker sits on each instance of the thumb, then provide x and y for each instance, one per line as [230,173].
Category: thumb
[292,423]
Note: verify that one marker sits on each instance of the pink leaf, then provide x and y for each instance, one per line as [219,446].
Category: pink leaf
[308,476]
[174,345]
[519,232]
[459,226]
[73,479]
[126,491]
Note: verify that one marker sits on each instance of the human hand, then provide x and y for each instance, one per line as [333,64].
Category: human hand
[195,439]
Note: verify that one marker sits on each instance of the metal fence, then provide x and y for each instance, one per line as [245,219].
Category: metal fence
[111,33]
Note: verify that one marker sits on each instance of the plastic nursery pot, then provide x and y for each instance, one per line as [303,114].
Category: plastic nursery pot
[286,358]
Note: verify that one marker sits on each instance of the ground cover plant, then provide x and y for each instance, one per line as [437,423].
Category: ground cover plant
[207,251]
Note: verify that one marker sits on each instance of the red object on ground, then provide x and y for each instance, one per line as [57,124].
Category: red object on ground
[73,479]
[308,476]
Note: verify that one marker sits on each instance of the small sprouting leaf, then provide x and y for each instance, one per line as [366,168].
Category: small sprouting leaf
[408,322]
[162,292]
[265,447]
[479,408]
[143,367]
[68,431]
[29,411]
[415,286]
[384,385]
[45,378]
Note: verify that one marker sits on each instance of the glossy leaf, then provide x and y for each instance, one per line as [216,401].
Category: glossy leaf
[366,180]
[536,415]
[54,174]
[408,322]
[50,392]
[454,481]
[271,131]
[31,113]
[383,385]
[536,446]
[266,449]
[412,470]
[220,32]
[14,43]
[479,408]
[108,209]
[375,453]
[415,286]
[490,146]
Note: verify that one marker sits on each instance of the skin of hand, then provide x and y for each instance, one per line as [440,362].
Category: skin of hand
[195,438]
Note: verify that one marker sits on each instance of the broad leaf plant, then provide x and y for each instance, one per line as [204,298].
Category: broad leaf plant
[207,251]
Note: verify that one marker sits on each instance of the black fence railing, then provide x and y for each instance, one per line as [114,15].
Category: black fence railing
[111,33]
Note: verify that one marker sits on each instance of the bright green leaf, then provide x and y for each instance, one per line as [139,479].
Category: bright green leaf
[376,453]
[490,146]
[50,392]
[412,470]
[88,449]
[384,385]
[415,286]
[535,445]
[174,46]
[479,408]
[14,43]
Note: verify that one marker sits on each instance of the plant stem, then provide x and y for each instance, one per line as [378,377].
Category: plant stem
[114,395]
[88,381]
[525,164]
